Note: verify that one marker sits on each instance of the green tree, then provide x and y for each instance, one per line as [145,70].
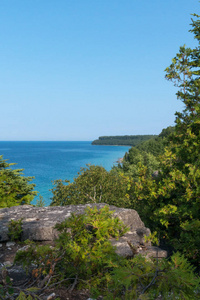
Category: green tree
[135,158]
[146,153]
[170,203]
[15,189]
[93,185]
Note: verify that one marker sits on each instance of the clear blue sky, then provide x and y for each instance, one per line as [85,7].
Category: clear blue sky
[79,69]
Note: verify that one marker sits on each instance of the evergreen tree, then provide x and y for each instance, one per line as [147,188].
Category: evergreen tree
[170,203]
[14,188]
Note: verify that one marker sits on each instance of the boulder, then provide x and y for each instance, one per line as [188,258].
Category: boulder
[38,225]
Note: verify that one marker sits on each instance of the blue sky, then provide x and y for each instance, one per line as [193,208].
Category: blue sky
[79,69]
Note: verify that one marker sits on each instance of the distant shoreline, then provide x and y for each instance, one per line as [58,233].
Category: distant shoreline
[124,140]
[111,145]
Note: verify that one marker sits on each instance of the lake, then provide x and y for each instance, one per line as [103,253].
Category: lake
[48,161]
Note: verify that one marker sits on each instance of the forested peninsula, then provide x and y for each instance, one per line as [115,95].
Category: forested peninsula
[122,140]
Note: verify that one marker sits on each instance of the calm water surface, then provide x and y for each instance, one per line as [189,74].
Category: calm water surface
[48,161]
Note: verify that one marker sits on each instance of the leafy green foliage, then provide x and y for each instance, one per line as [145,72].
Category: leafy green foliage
[41,256]
[147,154]
[136,158]
[14,188]
[15,230]
[87,243]
[93,185]
[83,251]
[141,278]
[23,296]
[170,202]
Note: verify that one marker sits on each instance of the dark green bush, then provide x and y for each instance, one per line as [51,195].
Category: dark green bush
[15,230]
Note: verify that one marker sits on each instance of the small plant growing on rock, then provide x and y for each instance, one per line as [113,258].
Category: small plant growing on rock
[40,202]
[15,230]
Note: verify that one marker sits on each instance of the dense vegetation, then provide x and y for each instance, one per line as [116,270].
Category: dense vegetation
[170,203]
[15,189]
[123,140]
[93,185]
[146,153]
[160,178]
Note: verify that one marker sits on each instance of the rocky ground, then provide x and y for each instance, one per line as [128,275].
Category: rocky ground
[20,278]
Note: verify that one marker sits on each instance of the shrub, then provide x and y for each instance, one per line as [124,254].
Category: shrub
[15,188]
[141,278]
[15,230]
[83,253]
[83,257]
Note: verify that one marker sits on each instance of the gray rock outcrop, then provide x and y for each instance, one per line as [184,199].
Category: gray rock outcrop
[39,222]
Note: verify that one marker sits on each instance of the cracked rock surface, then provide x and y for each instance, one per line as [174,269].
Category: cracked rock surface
[38,225]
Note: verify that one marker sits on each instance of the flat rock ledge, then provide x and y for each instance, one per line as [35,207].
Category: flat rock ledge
[38,225]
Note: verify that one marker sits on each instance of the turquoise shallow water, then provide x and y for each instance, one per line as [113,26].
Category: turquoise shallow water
[48,161]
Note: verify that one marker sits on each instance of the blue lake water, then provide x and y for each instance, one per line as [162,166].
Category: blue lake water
[48,161]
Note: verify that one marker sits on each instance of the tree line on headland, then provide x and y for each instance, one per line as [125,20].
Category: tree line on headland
[122,140]
[160,178]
